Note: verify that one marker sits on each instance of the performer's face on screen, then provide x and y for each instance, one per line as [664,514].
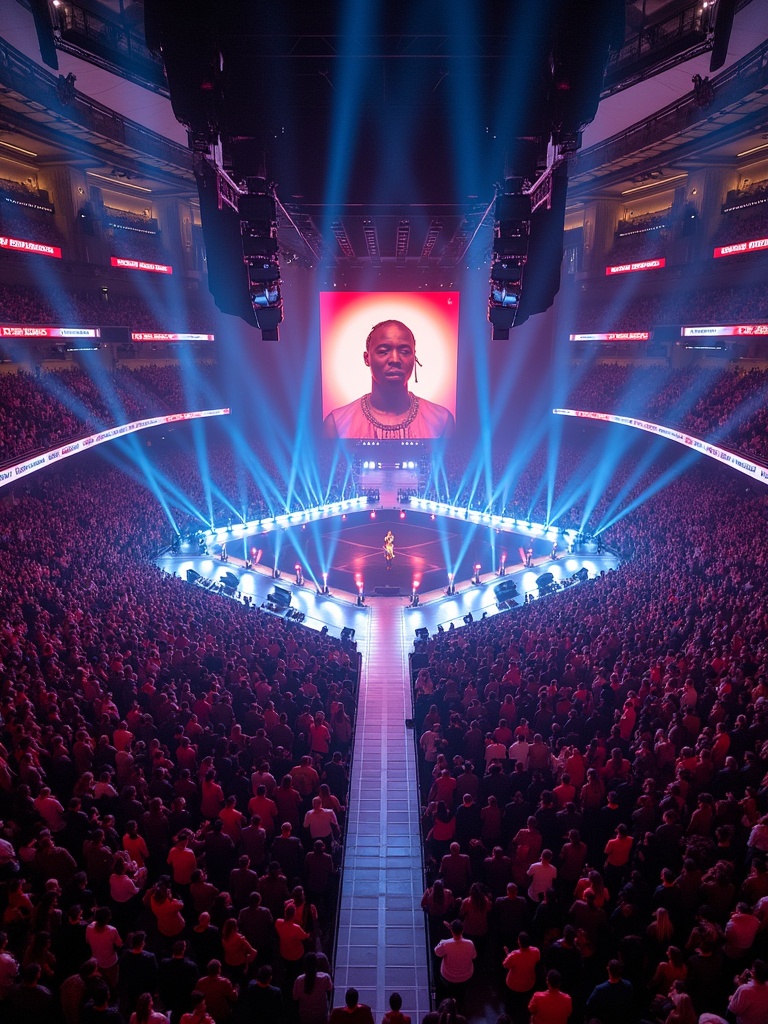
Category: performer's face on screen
[390,355]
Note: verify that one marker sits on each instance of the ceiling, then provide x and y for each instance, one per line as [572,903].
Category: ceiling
[412,143]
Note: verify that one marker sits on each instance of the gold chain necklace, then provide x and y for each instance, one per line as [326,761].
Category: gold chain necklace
[391,429]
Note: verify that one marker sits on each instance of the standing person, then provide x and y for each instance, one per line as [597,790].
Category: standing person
[199,1012]
[353,1011]
[395,1016]
[551,1006]
[312,992]
[261,1000]
[613,1000]
[219,992]
[104,940]
[389,548]
[749,1003]
[239,954]
[475,913]
[542,875]
[457,956]
[291,937]
[520,965]
[176,978]
[145,1013]
[166,908]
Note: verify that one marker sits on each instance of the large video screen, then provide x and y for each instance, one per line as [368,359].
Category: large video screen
[389,364]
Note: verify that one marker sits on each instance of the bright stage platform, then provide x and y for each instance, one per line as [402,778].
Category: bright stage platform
[351,545]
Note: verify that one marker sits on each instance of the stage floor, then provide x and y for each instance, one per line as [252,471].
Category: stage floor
[427,548]
[353,545]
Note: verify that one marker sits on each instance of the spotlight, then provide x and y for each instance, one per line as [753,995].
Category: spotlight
[415,594]
[451,585]
[275,573]
[402,515]
[360,594]
[325,583]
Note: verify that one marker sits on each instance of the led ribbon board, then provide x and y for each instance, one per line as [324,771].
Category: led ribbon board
[150,336]
[712,451]
[756,245]
[726,331]
[613,336]
[22,331]
[155,268]
[37,462]
[24,245]
[631,268]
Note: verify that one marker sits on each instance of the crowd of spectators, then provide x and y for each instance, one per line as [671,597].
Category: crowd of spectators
[137,245]
[700,306]
[642,246]
[56,406]
[19,305]
[743,225]
[232,485]
[724,406]
[24,222]
[721,405]
[593,770]
[173,776]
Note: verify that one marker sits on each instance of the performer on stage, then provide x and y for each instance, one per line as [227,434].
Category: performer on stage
[554,552]
[529,557]
[389,548]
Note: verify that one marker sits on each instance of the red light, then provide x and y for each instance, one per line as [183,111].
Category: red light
[402,515]
[415,584]
[373,515]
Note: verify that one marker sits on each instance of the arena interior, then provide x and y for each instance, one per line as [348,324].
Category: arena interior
[383,476]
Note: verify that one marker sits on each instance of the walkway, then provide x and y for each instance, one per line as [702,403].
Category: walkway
[381,943]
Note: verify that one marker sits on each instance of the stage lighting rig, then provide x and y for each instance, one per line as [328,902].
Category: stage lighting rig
[258,233]
[511,233]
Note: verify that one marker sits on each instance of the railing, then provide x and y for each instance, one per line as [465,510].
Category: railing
[22,75]
[425,879]
[653,39]
[334,930]
[739,80]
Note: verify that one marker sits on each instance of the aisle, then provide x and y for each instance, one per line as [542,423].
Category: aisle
[381,943]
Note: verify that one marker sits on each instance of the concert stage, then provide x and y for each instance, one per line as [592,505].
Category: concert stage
[427,547]
[351,546]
